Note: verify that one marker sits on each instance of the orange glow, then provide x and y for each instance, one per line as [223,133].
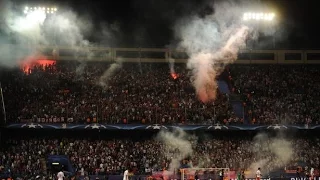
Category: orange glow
[174,75]
[30,62]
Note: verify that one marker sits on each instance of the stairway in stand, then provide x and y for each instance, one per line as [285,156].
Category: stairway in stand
[238,109]
[235,99]
[223,87]
[43,165]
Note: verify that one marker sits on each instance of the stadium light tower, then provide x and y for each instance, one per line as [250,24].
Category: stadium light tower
[36,15]
[250,16]
[47,10]
[260,17]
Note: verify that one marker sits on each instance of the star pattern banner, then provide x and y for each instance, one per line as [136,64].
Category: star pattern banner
[214,127]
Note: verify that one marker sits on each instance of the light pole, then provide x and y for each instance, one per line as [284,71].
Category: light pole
[3,105]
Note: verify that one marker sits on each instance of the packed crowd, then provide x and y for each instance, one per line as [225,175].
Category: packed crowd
[134,93]
[279,94]
[146,93]
[103,157]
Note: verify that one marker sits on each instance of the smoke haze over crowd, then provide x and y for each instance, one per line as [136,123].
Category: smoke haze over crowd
[177,141]
[271,153]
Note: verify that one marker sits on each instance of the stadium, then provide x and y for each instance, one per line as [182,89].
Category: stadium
[159,90]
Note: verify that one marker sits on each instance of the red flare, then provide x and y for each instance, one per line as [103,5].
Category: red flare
[174,75]
[28,63]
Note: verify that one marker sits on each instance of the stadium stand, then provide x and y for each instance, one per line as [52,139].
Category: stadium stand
[25,157]
[135,94]
[286,94]
[147,94]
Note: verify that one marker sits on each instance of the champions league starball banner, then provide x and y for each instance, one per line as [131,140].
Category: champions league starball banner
[214,127]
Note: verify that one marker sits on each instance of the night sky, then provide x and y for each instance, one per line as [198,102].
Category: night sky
[148,23]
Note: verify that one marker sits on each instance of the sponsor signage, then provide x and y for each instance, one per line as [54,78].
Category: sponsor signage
[145,177]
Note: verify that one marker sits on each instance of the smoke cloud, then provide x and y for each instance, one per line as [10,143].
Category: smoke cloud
[270,153]
[212,42]
[177,146]
[104,79]
[21,34]
[267,152]
[171,66]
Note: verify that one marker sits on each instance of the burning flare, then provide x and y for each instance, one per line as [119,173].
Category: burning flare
[206,66]
[30,62]
[174,76]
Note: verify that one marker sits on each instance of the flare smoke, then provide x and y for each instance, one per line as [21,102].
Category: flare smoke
[180,143]
[173,73]
[104,79]
[171,66]
[270,153]
[212,43]
[23,34]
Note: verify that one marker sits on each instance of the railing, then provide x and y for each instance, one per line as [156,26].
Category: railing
[163,55]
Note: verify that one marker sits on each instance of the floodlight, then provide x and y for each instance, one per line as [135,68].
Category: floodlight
[258,16]
[47,10]
[272,15]
[30,21]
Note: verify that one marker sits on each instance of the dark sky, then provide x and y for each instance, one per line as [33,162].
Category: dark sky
[149,23]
